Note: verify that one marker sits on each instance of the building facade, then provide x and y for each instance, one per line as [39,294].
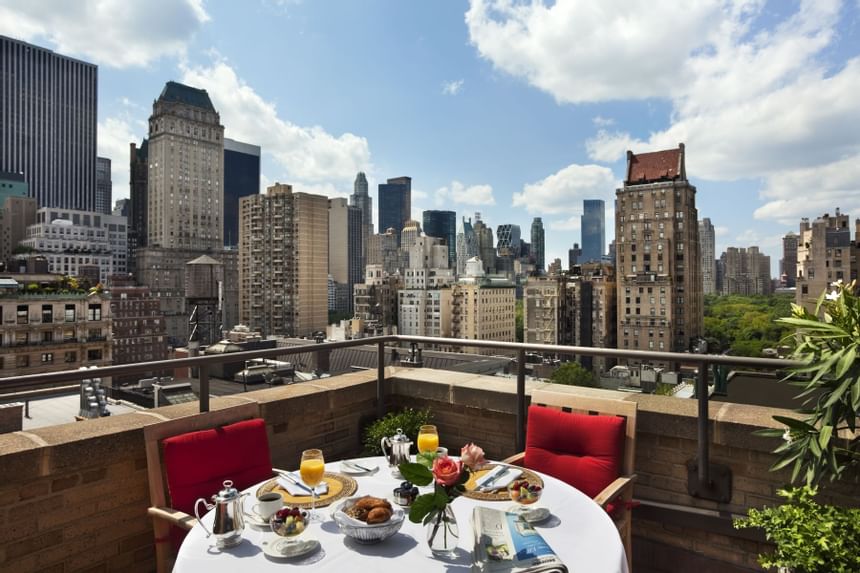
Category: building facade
[54,332]
[382,250]
[344,252]
[593,225]
[104,186]
[283,262]
[485,246]
[658,258]
[138,327]
[443,225]
[376,300]
[574,256]
[12,185]
[825,254]
[70,239]
[361,199]
[241,178]
[467,244]
[48,114]
[788,263]
[538,245]
[185,181]
[483,308]
[746,272]
[395,204]
[16,214]
[707,246]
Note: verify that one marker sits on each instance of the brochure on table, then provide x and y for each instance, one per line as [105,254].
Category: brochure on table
[504,542]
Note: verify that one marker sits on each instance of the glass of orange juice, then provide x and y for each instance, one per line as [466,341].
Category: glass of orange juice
[312,469]
[428,439]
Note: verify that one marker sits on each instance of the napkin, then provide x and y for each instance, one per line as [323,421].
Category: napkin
[506,474]
[297,491]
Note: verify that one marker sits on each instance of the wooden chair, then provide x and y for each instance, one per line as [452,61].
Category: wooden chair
[616,494]
[171,524]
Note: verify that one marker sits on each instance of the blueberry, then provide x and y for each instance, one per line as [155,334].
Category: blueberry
[406,485]
[414,491]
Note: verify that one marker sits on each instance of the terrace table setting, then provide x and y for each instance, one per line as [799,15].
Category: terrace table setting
[579,531]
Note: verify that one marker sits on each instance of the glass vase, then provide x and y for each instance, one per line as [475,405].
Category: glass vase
[443,534]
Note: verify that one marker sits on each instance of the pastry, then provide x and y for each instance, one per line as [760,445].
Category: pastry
[378,515]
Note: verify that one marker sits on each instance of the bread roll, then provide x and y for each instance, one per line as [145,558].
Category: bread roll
[378,515]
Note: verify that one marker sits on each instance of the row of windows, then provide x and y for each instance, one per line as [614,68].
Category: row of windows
[46,358]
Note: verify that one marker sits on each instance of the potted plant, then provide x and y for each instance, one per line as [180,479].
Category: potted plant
[408,419]
[809,537]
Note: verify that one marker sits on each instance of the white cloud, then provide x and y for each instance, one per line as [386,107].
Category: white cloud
[563,191]
[752,97]
[601,121]
[453,87]
[109,32]
[721,231]
[460,194]
[114,136]
[310,155]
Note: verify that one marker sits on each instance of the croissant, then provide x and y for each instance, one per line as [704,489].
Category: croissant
[369,502]
[378,515]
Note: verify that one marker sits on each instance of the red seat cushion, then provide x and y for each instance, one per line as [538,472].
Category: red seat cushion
[197,463]
[581,450]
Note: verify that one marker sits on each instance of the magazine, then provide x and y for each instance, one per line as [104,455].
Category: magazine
[504,542]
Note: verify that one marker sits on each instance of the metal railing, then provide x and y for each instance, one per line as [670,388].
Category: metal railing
[701,482]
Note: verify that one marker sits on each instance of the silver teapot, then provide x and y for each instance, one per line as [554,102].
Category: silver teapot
[396,449]
[229,523]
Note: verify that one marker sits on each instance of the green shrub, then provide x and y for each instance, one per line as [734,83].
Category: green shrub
[408,420]
[809,537]
[573,374]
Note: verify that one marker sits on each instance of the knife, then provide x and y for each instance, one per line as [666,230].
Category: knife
[500,471]
[296,482]
[353,464]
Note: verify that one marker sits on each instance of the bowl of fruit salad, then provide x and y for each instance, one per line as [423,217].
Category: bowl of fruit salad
[524,493]
[289,522]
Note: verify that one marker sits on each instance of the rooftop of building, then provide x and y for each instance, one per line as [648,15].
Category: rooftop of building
[655,166]
[180,93]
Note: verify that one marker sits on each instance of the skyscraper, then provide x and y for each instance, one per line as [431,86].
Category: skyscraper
[48,105]
[825,254]
[709,264]
[185,190]
[486,246]
[788,263]
[467,244]
[745,271]
[593,224]
[344,251]
[138,208]
[395,204]
[443,224]
[103,186]
[361,199]
[658,260]
[538,245]
[574,255]
[241,178]
[283,262]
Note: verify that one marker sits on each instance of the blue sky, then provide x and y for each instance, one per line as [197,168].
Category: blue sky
[511,109]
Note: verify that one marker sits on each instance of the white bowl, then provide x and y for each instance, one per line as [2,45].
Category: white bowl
[362,532]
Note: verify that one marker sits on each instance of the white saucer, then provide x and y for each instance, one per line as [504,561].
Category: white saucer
[281,548]
[350,469]
[253,519]
[535,514]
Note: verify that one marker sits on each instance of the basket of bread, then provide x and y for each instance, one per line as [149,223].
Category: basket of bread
[368,519]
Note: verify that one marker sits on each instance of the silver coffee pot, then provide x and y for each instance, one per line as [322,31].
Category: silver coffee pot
[229,523]
[396,448]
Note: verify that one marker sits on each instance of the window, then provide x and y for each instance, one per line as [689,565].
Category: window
[94,354]
[23,318]
[22,361]
[47,336]
[70,356]
[69,314]
[21,339]
[47,358]
[47,313]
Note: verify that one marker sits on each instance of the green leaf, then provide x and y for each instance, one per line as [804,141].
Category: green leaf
[422,505]
[824,436]
[440,498]
[846,361]
[838,393]
[416,473]
[794,424]
[855,395]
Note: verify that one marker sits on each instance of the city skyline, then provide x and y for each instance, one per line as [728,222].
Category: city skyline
[536,142]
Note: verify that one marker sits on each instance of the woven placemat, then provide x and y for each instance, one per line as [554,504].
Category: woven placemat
[339,487]
[499,494]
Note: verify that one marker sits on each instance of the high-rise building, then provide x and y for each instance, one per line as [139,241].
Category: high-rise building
[138,327]
[538,245]
[395,204]
[483,308]
[574,255]
[825,254]
[12,185]
[745,271]
[185,191]
[660,302]
[344,252]
[508,239]
[425,300]
[104,186]
[408,236]
[361,198]
[16,214]
[443,225]
[138,203]
[485,245]
[122,207]
[467,244]
[707,246]
[788,263]
[283,262]
[241,178]
[48,115]
[593,224]
[376,300]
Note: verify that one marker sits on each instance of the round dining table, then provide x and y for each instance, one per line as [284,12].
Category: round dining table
[578,530]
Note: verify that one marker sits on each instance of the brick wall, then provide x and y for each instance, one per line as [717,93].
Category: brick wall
[11,417]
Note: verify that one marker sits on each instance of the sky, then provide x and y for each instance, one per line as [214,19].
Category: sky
[511,109]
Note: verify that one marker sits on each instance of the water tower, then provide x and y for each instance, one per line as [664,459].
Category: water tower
[204,279]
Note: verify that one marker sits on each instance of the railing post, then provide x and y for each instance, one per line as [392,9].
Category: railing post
[380,379]
[704,479]
[521,400]
[203,375]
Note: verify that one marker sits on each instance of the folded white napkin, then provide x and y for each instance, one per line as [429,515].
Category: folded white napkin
[506,474]
[298,491]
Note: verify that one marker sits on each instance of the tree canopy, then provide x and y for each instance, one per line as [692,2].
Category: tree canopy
[745,325]
[573,374]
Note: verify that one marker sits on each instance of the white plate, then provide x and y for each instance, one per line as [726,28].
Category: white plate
[348,468]
[253,519]
[281,548]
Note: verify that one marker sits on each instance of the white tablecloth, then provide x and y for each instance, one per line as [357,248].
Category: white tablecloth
[579,531]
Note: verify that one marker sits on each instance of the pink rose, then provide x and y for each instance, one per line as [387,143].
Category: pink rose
[446,471]
[472,456]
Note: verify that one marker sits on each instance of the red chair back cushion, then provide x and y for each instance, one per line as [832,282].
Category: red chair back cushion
[197,463]
[581,450]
